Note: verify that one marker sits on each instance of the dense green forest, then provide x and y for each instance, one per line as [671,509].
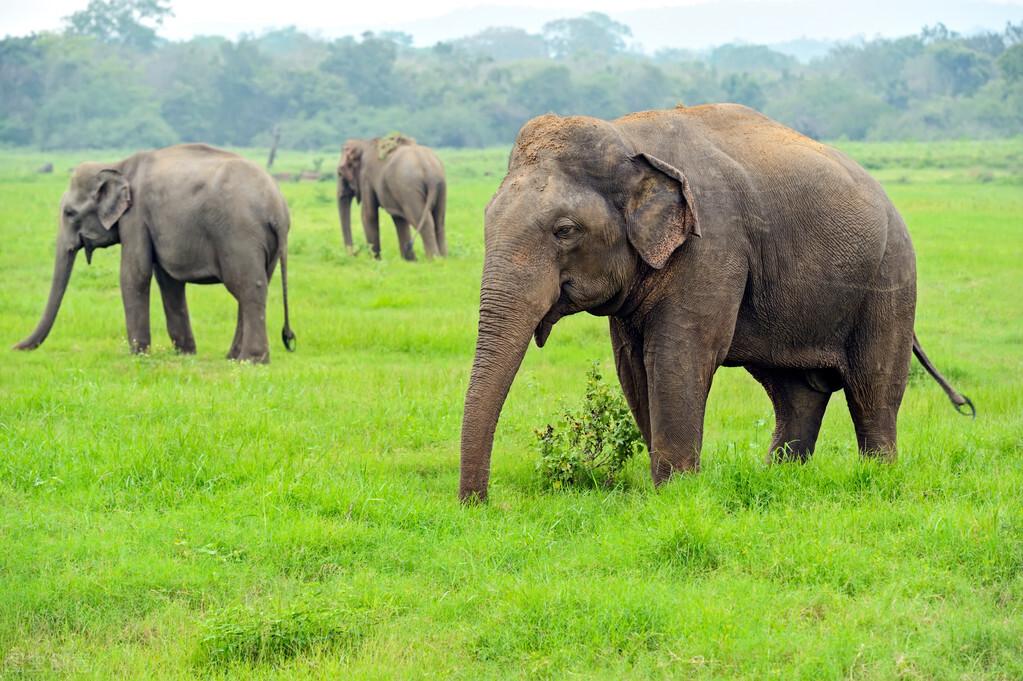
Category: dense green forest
[109,79]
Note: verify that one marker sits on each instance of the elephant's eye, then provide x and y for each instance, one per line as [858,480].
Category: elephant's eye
[563,230]
[69,212]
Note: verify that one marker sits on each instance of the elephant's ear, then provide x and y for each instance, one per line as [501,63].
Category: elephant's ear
[113,197]
[351,159]
[660,212]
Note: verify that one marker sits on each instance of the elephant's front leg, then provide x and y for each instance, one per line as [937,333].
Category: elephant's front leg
[175,308]
[628,352]
[679,368]
[371,224]
[136,276]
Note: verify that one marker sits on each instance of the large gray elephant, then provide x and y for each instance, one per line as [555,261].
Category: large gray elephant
[188,213]
[711,236]
[405,179]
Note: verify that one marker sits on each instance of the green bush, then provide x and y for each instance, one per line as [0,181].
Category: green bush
[590,446]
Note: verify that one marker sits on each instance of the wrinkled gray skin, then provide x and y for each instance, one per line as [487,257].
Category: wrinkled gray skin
[186,214]
[711,236]
[409,184]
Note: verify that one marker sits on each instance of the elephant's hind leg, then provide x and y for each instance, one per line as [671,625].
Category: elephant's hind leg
[175,309]
[405,241]
[428,234]
[878,367]
[874,398]
[236,344]
[798,411]
[248,284]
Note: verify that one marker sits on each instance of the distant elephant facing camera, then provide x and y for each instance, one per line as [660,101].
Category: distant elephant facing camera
[405,179]
[186,214]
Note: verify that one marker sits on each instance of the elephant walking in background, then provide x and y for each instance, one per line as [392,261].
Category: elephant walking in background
[402,177]
[711,236]
[186,214]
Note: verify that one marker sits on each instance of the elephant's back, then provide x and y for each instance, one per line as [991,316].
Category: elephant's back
[807,217]
[208,185]
[415,161]
[716,134]
[782,183]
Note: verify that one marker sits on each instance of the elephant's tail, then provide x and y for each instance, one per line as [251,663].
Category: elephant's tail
[287,335]
[958,400]
[431,199]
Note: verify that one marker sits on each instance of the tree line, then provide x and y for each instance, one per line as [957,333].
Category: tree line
[108,79]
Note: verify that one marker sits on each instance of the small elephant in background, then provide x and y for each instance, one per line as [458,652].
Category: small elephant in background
[187,214]
[405,179]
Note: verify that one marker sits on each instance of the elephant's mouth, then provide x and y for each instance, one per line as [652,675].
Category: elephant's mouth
[562,308]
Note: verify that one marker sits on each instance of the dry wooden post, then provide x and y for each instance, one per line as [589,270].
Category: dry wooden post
[273,147]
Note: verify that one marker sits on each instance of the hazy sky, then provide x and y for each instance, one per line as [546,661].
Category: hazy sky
[654,24]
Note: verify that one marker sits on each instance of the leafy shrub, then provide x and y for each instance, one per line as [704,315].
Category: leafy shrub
[590,446]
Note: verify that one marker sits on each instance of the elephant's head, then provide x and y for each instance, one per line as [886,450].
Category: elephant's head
[580,219]
[349,167]
[89,211]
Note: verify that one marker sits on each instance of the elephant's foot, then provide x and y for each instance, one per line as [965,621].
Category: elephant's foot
[790,451]
[663,467]
[185,348]
[254,359]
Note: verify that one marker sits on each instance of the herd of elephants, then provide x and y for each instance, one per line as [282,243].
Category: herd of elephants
[709,236]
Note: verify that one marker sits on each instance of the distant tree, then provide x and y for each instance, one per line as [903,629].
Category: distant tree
[742,88]
[109,80]
[1011,63]
[399,38]
[506,44]
[22,79]
[674,54]
[95,98]
[881,64]
[828,108]
[121,22]
[188,76]
[592,32]
[243,86]
[1013,34]
[292,47]
[939,33]
[987,42]
[961,70]
[750,59]
[367,66]
[640,85]
[444,49]
[548,89]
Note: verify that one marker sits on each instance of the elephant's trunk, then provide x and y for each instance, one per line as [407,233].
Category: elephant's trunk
[64,261]
[511,308]
[344,211]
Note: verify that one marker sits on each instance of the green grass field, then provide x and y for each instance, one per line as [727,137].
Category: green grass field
[167,516]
